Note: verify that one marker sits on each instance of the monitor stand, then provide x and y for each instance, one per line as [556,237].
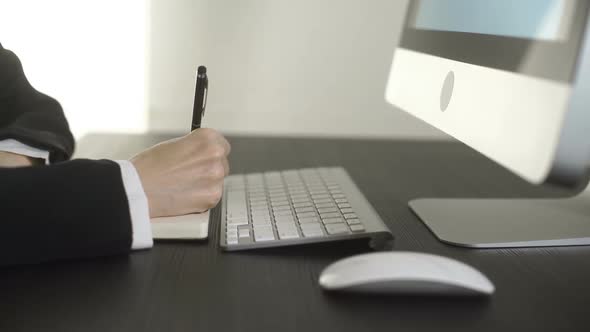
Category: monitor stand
[502,223]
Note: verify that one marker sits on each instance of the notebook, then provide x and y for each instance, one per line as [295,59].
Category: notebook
[188,227]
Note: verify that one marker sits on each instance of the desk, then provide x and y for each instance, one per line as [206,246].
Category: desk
[193,286]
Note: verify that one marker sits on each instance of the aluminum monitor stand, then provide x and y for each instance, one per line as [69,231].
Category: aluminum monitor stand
[502,223]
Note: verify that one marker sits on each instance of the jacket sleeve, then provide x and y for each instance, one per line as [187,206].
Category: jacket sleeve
[66,210]
[30,116]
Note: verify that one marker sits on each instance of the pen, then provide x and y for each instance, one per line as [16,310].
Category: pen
[201,89]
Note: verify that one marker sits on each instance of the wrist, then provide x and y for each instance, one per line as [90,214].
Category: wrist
[10,160]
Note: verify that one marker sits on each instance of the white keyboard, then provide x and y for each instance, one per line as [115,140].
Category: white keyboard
[296,207]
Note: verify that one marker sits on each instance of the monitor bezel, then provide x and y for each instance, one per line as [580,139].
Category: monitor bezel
[554,60]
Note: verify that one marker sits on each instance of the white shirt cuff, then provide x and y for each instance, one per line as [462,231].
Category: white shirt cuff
[14,146]
[138,206]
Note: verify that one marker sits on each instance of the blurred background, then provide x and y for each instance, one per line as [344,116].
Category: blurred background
[276,67]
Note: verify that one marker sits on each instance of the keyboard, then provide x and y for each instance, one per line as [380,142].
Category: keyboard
[295,207]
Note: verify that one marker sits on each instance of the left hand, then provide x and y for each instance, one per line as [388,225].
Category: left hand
[11,160]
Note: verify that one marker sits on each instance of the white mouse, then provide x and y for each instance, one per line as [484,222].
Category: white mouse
[407,273]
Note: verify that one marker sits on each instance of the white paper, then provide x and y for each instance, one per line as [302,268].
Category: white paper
[190,226]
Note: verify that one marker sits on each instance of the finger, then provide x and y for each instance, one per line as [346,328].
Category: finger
[227,147]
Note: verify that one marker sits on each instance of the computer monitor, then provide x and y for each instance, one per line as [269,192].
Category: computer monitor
[511,79]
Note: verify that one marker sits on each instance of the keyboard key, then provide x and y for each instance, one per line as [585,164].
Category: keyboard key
[288,235]
[313,234]
[300,205]
[281,203]
[350,216]
[308,220]
[263,236]
[311,227]
[261,215]
[325,205]
[357,228]
[283,213]
[326,210]
[261,221]
[341,200]
[330,215]
[353,221]
[336,229]
[319,196]
[285,218]
[346,210]
[343,205]
[305,209]
[281,208]
[306,214]
[237,222]
[333,221]
[322,200]
[232,240]
[243,232]
[262,228]
[338,196]
[237,215]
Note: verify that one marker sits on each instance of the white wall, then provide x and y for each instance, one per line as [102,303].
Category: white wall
[90,55]
[305,67]
[289,67]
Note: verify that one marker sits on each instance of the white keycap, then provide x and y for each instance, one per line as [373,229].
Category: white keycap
[330,215]
[353,221]
[288,234]
[307,233]
[243,232]
[326,210]
[261,221]
[302,205]
[306,215]
[263,236]
[311,227]
[357,228]
[238,222]
[325,205]
[305,209]
[338,220]
[308,220]
[336,229]
[282,208]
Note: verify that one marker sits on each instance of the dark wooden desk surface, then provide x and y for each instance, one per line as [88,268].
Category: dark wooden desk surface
[193,286]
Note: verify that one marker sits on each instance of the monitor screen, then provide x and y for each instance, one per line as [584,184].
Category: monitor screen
[530,19]
[539,38]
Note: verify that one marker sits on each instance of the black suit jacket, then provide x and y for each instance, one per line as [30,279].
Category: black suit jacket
[69,209]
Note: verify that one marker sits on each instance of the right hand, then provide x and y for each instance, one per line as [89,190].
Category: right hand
[184,175]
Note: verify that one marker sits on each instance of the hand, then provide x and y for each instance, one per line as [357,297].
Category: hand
[11,160]
[184,175]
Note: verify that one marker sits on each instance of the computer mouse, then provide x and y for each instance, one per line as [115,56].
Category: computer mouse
[404,273]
